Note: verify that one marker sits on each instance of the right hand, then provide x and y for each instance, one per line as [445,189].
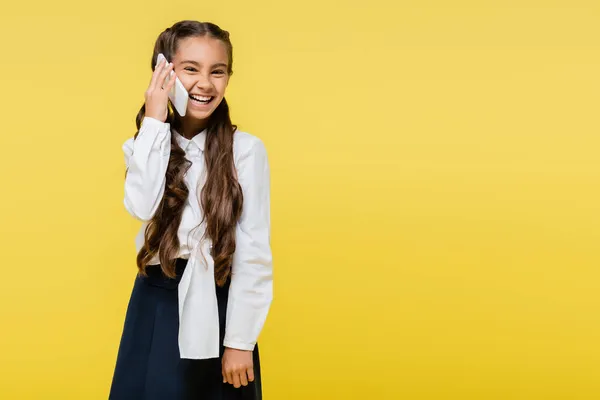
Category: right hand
[157,94]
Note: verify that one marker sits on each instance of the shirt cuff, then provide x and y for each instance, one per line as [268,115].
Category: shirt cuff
[154,122]
[238,345]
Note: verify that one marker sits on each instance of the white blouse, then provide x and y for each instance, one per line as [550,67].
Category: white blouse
[251,290]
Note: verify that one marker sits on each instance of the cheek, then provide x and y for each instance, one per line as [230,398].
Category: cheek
[221,87]
[186,82]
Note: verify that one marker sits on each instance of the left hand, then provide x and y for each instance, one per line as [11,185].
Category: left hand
[237,367]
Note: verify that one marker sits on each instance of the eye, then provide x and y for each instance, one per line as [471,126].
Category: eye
[190,69]
[219,72]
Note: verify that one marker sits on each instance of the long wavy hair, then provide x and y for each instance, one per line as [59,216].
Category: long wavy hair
[221,195]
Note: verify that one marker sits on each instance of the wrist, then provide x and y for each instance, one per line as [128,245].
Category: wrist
[234,349]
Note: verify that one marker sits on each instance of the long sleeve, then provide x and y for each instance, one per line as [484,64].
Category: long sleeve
[146,158]
[251,290]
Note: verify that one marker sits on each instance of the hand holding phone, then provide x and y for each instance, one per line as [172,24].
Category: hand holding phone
[177,93]
[157,94]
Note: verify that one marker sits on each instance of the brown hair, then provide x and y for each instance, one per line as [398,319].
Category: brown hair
[221,195]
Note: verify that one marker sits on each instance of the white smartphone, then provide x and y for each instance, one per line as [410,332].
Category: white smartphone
[178,95]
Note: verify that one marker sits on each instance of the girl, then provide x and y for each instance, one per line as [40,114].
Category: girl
[201,187]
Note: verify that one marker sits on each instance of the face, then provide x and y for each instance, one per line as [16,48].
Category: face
[201,66]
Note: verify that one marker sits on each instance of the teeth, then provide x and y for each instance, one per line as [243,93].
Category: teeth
[201,98]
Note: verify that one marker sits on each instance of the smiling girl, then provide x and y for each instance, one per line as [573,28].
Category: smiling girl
[201,187]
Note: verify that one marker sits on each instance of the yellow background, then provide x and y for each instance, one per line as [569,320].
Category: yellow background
[435,197]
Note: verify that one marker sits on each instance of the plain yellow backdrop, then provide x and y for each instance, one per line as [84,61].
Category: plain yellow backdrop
[435,192]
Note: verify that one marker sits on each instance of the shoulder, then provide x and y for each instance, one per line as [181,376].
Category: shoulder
[246,144]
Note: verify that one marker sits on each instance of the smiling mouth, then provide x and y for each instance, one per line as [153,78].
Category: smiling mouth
[201,100]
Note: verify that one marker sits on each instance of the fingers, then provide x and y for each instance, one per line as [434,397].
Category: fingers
[160,75]
[171,83]
[229,375]
[155,74]
[164,74]
[243,378]
[237,381]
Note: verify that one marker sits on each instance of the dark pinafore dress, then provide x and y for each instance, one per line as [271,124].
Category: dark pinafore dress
[148,365]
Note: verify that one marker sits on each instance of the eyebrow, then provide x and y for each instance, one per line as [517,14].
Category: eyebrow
[223,65]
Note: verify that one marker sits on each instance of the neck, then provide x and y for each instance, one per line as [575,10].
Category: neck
[188,128]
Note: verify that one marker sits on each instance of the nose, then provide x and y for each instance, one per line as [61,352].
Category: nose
[203,83]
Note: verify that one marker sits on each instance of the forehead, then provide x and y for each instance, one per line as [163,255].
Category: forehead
[203,49]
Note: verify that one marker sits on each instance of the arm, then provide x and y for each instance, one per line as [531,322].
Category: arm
[251,290]
[146,158]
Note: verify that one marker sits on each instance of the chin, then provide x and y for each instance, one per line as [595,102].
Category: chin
[199,114]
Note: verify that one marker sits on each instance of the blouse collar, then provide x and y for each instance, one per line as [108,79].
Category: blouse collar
[199,140]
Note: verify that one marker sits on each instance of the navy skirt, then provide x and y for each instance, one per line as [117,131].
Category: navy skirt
[148,365]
